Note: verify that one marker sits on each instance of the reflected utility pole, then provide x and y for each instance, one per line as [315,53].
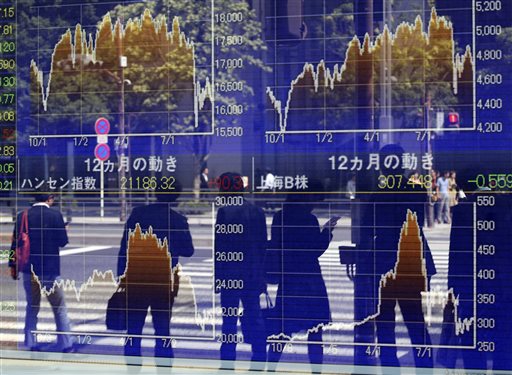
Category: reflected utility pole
[365,91]
[123,63]
[364,24]
[386,115]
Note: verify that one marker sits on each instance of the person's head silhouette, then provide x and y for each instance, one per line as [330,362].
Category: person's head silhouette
[309,197]
[231,183]
[388,152]
[170,192]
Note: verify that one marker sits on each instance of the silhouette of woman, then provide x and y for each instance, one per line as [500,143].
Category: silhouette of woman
[296,244]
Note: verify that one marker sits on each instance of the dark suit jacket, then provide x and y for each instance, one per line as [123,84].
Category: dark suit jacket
[461,260]
[166,223]
[204,182]
[297,244]
[47,234]
[252,243]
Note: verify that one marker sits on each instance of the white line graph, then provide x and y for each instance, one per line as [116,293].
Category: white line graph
[82,48]
[432,298]
[326,78]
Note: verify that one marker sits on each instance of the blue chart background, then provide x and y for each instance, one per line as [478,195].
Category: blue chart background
[283,52]
[284,59]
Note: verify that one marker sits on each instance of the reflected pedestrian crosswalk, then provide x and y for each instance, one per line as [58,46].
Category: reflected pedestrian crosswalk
[196,320]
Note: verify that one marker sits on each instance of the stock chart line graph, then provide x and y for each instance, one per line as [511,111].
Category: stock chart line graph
[369,137]
[148,263]
[423,56]
[155,269]
[98,277]
[408,281]
[441,298]
[132,72]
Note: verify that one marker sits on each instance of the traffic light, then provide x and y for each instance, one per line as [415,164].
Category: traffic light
[453,120]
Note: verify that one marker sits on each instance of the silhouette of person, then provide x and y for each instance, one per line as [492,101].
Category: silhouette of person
[444,185]
[493,253]
[297,242]
[351,187]
[150,286]
[47,233]
[383,216]
[204,180]
[240,244]
[269,180]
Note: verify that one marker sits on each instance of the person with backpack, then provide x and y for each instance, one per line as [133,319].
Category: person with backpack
[37,259]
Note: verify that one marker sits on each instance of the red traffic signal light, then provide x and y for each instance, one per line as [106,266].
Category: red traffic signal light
[453,120]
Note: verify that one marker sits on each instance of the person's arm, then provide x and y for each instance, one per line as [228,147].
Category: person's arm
[275,232]
[12,254]
[14,242]
[459,263]
[262,232]
[273,254]
[62,235]
[181,240]
[429,259]
[317,239]
[121,258]
[261,249]
[220,245]
[325,239]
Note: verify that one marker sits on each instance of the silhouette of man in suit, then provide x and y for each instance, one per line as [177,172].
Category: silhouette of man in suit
[204,182]
[240,232]
[148,292]
[382,218]
[493,253]
[47,233]
[297,243]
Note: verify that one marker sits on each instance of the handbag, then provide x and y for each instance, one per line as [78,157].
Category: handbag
[116,310]
[348,256]
[22,253]
[176,276]
[116,317]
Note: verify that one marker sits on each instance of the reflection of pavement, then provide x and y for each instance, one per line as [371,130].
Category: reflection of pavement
[88,314]
[439,242]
